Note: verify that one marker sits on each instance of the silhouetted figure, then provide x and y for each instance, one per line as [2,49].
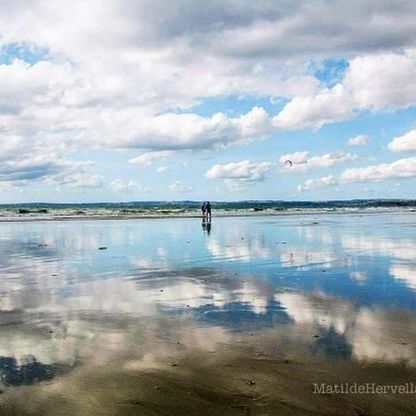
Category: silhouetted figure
[208,210]
[204,210]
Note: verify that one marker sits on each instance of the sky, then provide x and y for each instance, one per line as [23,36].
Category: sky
[122,100]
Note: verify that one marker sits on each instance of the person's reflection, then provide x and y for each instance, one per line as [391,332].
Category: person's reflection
[206,225]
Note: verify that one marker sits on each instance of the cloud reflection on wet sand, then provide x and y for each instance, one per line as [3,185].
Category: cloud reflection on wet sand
[190,319]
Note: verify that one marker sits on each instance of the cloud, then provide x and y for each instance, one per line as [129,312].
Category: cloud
[137,84]
[127,186]
[23,162]
[28,169]
[328,106]
[147,159]
[238,174]
[161,169]
[262,29]
[174,131]
[312,184]
[190,131]
[82,180]
[374,82]
[360,140]
[302,162]
[178,186]
[402,168]
[24,84]
[405,143]
[21,169]
[291,28]
[382,81]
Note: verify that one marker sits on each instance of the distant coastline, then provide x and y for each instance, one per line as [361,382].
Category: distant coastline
[191,209]
[377,202]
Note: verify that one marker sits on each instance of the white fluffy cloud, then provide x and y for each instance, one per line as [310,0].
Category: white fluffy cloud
[245,170]
[360,140]
[327,106]
[302,162]
[373,82]
[402,168]
[191,131]
[239,174]
[405,143]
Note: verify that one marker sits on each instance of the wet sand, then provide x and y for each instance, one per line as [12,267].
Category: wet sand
[172,319]
[246,379]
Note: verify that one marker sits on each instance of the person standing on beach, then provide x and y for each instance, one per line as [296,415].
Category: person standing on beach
[208,210]
[204,210]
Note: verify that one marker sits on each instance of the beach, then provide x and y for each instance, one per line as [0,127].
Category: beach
[207,208]
[252,315]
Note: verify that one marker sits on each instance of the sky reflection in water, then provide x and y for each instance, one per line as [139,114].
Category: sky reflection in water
[336,285]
